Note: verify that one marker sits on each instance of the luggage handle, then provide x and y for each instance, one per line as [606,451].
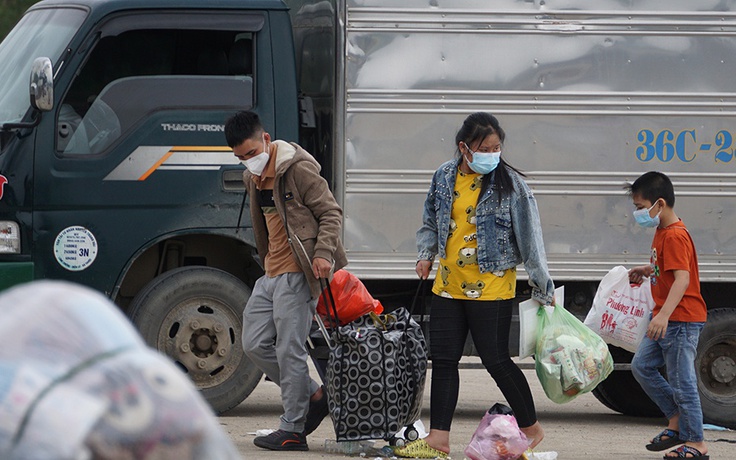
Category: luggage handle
[383,321]
[332,317]
[416,297]
[323,329]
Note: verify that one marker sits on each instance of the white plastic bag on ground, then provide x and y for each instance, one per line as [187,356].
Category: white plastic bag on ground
[77,382]
[620,311]
[549,455]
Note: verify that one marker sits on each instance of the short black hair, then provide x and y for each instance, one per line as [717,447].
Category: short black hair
[241,126]
[652,186]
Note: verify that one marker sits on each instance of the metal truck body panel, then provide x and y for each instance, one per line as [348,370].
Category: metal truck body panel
[591,94]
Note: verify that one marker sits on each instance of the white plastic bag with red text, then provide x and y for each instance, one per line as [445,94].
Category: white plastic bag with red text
[621,311]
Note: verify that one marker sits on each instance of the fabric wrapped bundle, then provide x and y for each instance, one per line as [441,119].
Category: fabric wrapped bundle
[78,382]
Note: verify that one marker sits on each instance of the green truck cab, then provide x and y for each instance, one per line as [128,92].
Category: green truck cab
[117,175]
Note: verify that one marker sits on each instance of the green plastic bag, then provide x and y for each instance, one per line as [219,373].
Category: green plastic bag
[570,358]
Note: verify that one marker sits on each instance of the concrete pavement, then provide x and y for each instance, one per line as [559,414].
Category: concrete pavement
[583,429]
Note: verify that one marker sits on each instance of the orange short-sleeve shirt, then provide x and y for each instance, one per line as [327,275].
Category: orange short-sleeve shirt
[673,249]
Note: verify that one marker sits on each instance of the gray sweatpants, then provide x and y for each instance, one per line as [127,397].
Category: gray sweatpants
[276,323]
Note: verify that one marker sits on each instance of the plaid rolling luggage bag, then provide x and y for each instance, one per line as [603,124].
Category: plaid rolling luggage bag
[375,375]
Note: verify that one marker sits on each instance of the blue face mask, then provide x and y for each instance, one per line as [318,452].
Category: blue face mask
[643,218]
[484,163]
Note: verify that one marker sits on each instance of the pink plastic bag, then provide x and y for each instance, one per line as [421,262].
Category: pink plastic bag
[498,437]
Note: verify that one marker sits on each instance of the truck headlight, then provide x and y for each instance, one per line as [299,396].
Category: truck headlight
[9,237]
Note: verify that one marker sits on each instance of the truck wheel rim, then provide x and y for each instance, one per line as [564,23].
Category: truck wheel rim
[203,337]
[718,370]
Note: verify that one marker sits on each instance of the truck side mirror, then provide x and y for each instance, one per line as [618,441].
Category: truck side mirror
[42,84]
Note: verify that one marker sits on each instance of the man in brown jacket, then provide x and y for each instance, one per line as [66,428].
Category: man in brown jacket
[297,225]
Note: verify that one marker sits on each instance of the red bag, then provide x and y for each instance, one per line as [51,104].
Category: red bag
[351,298]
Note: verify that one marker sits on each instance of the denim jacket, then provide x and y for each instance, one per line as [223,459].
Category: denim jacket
[508,233]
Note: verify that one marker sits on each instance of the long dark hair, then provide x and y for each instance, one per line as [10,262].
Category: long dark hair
[477,127]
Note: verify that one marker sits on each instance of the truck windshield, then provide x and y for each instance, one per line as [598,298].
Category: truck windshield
[40,33]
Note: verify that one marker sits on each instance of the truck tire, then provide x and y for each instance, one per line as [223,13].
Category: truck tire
[622,393]
[194,315]
[716,367]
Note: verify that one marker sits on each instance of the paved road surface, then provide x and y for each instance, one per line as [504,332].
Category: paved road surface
[583,429]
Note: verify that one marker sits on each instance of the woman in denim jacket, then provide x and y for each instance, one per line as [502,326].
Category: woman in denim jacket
[481,218]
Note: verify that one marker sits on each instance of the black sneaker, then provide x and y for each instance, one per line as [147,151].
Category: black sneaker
[282,440]
[318,410]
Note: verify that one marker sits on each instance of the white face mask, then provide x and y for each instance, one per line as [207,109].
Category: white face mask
[257,163]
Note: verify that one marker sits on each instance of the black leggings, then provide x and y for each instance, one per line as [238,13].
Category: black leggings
[489,323]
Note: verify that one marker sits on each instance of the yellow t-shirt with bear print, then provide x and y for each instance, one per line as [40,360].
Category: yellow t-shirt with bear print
[459,276]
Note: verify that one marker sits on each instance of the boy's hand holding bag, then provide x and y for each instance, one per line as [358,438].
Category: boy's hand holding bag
[570,358]
[621,311]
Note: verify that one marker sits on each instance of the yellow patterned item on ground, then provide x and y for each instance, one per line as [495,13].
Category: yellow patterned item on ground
[418,449]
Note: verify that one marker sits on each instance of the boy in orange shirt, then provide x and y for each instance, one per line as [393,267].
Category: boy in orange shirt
[677,319]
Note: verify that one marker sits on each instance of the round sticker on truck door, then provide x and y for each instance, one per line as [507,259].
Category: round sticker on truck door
[75,248]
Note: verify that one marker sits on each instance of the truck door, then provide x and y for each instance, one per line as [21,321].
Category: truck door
[137,148]
[133,168]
